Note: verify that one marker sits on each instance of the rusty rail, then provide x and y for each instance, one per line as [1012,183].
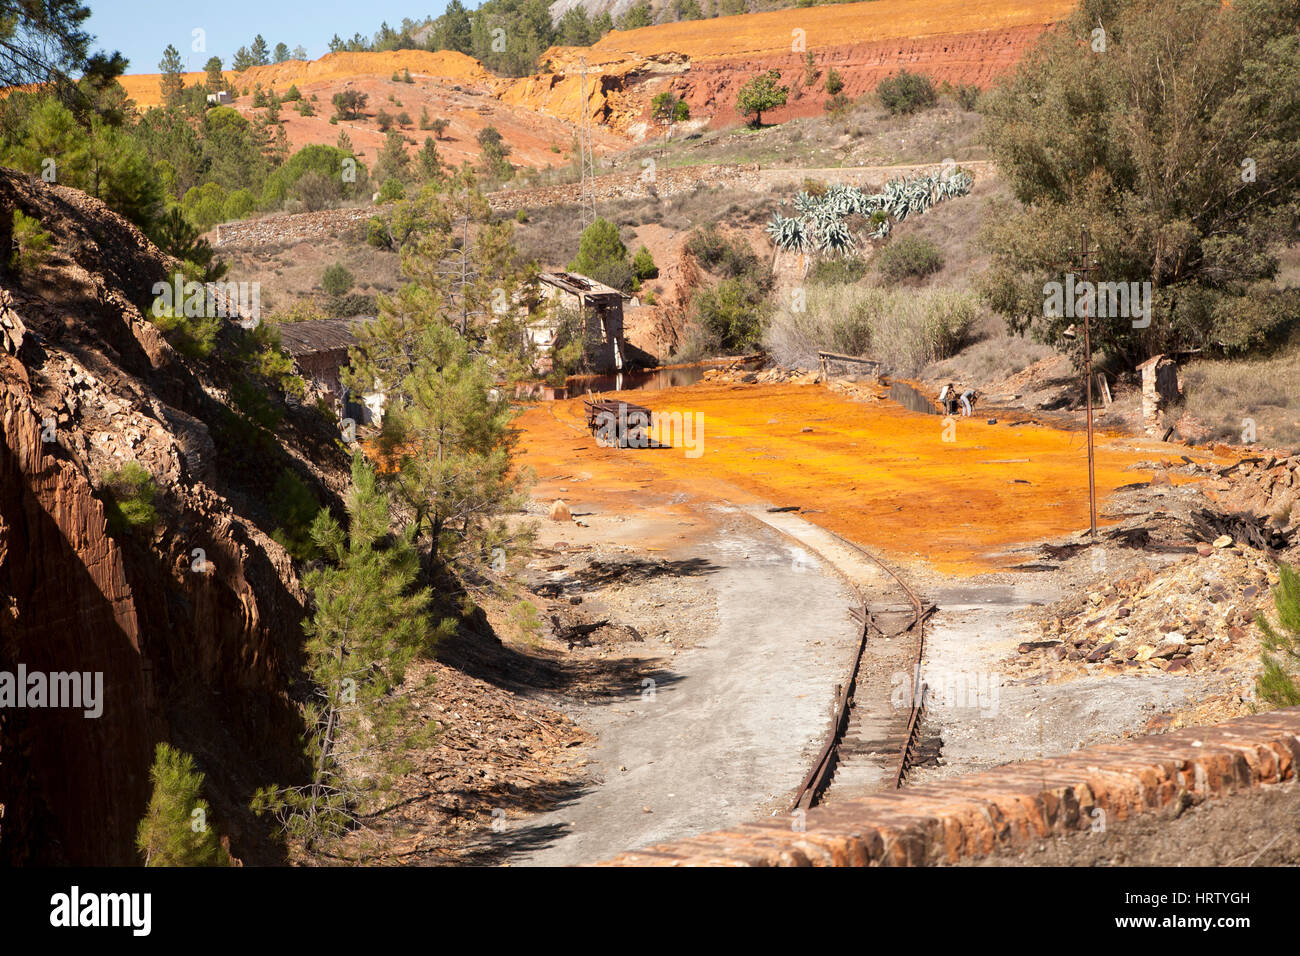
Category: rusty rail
[818,779]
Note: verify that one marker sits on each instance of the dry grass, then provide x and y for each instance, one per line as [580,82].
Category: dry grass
[1222,394]
[866,136]
[552,233]
[905,330]
[993,355]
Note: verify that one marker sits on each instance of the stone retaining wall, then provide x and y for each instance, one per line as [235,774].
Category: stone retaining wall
[1014,806]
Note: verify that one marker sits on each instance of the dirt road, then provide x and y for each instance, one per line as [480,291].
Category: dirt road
[728,736]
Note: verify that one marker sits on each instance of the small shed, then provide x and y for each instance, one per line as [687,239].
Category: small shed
[319,347]
[601,308]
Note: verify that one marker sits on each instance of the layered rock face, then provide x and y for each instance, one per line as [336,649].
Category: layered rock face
[193,624]
[707,61]
[710,87]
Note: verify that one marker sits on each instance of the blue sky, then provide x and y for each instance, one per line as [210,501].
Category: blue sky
[141,29]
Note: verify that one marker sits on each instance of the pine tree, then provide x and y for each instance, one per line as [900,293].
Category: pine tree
[213,79]
[258,51]
[281,52]
[242,60]
[1277,684]
[368,624]
[172,83]
[176,830]
[434,344]
[393,163]
[429,161]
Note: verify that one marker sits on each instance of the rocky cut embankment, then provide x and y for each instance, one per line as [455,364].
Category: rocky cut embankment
[202,654]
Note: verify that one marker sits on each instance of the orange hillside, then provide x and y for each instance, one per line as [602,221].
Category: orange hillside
[444,65]
[836,25]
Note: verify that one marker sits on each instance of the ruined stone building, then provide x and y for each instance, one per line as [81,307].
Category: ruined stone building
[601,308]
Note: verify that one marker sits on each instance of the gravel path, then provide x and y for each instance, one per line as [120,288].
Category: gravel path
[729,737]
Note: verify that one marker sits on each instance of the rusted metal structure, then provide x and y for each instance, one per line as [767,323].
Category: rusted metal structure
[618,424]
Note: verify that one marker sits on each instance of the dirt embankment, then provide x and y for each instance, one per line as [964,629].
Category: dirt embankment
[711,86]
[446,84]
[707,61]
[196,647]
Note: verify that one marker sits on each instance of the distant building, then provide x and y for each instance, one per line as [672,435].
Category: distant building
[319,347]
[220,98]
[601,308]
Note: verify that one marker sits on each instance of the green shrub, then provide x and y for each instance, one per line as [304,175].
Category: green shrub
[293,94]
[391,191]
[643,264]
[192,336]
[521,216]
[377,233]
[733,312]
[840,271]
[834,82]
[31,244]
[404,118]
[336,280]
[175,830]
[128,493]
[238,205]
[730,256]
[837,105]
[968,97]
[294,508]
[356,303]
[1277,684]
[908,257]
[906,92]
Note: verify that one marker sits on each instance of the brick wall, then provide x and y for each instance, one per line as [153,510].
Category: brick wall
[1014,806]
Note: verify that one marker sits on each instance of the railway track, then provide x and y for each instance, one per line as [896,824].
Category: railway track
[870,742]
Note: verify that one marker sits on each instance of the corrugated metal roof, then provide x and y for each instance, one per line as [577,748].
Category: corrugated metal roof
[578,284]
[319,335]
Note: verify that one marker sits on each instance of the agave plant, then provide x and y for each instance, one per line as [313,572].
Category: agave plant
[789,234]
[820,223]
[834,238]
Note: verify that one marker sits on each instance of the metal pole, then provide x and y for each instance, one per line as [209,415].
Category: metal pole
[1087,348]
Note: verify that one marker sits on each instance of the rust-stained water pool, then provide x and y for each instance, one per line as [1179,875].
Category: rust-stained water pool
[953,492]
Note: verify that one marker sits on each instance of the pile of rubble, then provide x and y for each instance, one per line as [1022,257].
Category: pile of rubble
[1195,615]
[1268,487]
[738,374]
[857,390]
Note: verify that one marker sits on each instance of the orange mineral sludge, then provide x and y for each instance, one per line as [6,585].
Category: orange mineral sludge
[874,473]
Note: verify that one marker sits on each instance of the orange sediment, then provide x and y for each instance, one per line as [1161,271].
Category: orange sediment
[773,32]
[874,473]
[445,65]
